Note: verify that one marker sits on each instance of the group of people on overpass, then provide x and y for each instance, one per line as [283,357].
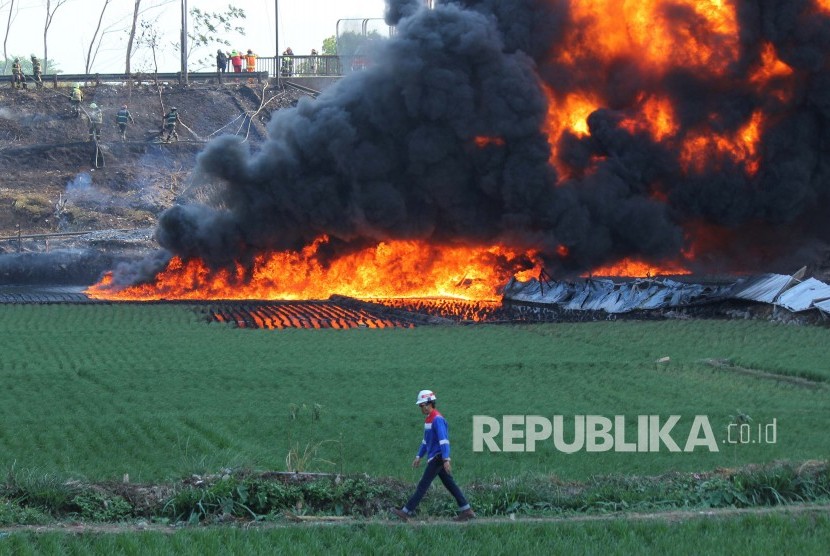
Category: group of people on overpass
[235,59]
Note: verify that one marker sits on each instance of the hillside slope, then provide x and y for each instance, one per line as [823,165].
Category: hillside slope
[51,181]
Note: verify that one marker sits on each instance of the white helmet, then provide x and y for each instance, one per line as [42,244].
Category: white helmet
[425,396]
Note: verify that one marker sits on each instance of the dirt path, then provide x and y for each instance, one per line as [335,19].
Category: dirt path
[671,516]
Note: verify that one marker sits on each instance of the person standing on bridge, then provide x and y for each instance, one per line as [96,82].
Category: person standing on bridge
[436,446]
[37,71]
[287,66]
[221,63]
[236,61]
[250,61]
[122,118]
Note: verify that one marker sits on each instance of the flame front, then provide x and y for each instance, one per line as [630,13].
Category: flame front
[390,269]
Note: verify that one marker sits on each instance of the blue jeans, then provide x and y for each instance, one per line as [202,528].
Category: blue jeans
[435,467]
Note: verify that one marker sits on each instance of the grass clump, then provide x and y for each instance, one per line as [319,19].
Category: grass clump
[32,207]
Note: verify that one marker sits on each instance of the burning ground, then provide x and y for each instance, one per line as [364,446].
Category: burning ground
[682,136]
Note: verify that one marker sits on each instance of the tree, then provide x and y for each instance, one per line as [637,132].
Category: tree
[330,46]
[132,36]
[50,14]
[89,55]
[208,27]
[149,37]
[6,36]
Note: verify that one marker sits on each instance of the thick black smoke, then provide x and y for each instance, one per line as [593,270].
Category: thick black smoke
[391,152]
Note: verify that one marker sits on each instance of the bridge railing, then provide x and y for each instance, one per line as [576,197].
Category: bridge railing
[266,67]
[311,66]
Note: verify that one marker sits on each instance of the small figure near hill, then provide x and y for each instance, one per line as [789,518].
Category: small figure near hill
[287,66]
[313,65]
[236,61]
[17,75]
[250,63]
[436,447]
[75,100]
[170,121]
[96,119]
[37,71]
[122,118]
[221,64]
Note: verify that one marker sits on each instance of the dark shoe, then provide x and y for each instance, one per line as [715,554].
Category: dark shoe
[402,515]
[466,515]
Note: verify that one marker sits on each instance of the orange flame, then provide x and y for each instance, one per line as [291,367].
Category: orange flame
[655,116]
[640,269]
[647,34]
[704,147]
[390,269]
[483,141]
[645,30]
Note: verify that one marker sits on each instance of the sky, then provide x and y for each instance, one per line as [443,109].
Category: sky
[303,24]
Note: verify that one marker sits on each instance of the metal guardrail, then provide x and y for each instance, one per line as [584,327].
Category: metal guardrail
[310,66]
[20,236]
[98,78]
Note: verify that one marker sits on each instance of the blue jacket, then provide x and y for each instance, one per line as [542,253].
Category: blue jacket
[436,437]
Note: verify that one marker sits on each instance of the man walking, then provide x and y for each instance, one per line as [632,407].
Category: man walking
[436,446]
[122,118]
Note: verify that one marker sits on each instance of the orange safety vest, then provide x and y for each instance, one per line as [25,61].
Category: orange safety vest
[250,59]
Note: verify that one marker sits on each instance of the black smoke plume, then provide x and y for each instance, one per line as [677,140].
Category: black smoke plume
[391,151]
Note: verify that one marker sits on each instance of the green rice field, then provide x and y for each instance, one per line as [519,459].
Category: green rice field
[155,392]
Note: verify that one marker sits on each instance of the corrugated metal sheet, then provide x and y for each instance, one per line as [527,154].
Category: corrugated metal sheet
[615,297]
[801,297]
[823,306]
[764,288]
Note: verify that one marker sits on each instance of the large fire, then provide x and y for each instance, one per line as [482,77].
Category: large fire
[390,269]
[645,33]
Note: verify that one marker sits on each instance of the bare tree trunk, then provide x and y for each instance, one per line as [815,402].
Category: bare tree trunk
[6,36]
[132,36]
[50,13]
[89,56]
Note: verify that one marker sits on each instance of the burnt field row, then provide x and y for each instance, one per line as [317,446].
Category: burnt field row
[340,312]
